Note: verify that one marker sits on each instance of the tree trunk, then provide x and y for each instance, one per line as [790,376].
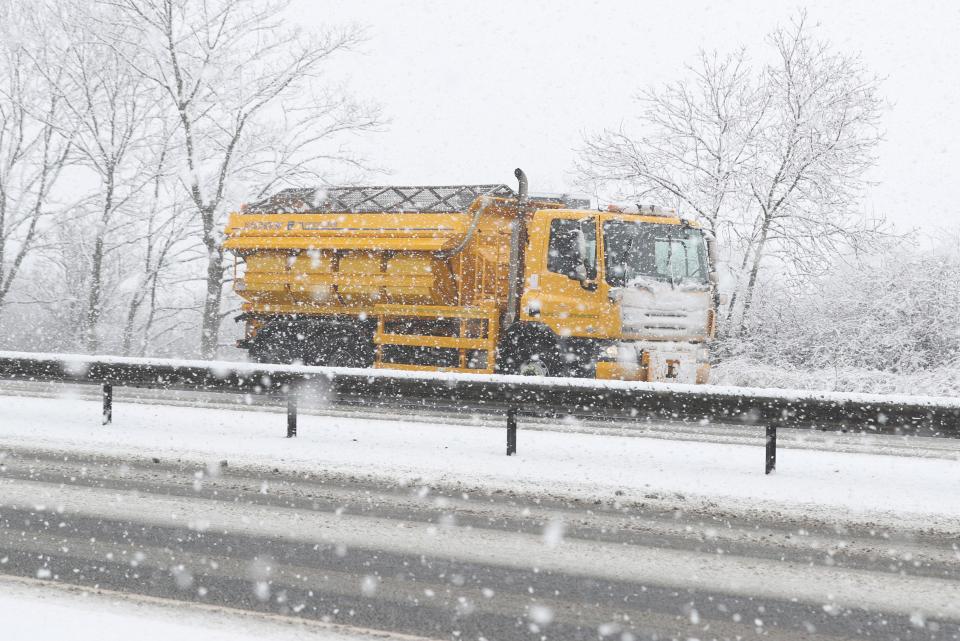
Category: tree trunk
[7,277]
[92,316]
[135,302]
[151,315]
[3,241]
[732,305]
[210,324]
[754,270]
[92,313]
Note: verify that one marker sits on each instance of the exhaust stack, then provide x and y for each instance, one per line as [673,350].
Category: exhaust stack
[517,238]
[522,191]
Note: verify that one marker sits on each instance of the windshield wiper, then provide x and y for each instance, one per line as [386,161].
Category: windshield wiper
[626,257]
[670,262]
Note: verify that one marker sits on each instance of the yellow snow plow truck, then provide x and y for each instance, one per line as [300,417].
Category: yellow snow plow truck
[473,278]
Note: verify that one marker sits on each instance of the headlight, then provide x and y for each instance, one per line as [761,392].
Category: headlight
[610,353]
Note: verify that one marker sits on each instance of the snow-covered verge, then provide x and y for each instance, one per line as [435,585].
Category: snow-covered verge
[744,372]
[38,611]
[824,486]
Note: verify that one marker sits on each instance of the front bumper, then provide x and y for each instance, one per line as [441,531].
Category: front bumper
[666,362]
[613,371]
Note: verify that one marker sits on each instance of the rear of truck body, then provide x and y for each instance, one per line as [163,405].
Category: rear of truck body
[472,279]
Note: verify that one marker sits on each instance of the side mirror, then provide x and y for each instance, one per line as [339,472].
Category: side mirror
[587,259]
[582,247]
[711,249]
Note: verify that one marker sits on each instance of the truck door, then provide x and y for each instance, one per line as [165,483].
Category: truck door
[563,291]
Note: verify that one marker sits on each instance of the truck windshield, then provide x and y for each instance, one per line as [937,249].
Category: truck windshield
[669,253]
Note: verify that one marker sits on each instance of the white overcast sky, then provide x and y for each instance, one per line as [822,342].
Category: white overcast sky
[474,89]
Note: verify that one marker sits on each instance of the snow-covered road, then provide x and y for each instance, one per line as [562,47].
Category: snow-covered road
[33,610]
[430,530]
[809,484]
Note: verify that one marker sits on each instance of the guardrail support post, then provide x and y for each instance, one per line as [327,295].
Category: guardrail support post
[291,412]
[107,403]
[771,447]
[511,431]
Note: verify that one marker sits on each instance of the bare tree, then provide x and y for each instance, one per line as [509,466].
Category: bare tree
[164,241]
[35,143]
[816,144]
[772,161]
[227,67]
[111,108]
[697,135]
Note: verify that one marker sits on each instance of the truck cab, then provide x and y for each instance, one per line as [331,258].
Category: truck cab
[625,293]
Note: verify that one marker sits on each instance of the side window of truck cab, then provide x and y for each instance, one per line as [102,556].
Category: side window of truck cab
[573,247]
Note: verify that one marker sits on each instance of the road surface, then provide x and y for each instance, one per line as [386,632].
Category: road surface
[418,561]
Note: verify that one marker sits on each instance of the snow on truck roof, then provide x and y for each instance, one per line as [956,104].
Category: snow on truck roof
[373,199]
[376,199]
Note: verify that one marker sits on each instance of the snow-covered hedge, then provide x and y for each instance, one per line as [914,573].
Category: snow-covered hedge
[888,323]
[745,372]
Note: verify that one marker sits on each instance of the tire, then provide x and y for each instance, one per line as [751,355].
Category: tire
[269,347]
[535,357]
[279,342]
[350,349]
[342,347]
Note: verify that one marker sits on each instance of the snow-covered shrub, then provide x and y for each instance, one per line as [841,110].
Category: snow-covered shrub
[745,372]
[895,313]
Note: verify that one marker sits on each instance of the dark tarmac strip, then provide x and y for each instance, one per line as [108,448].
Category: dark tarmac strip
[417,561]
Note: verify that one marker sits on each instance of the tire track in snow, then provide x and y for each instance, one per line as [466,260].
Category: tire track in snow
[738,576]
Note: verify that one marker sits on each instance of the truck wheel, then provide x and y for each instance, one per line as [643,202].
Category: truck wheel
[276,343]
[347,348]
[346,355]
[265,350]
[537,359]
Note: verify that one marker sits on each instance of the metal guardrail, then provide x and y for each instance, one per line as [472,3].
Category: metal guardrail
[513,395]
